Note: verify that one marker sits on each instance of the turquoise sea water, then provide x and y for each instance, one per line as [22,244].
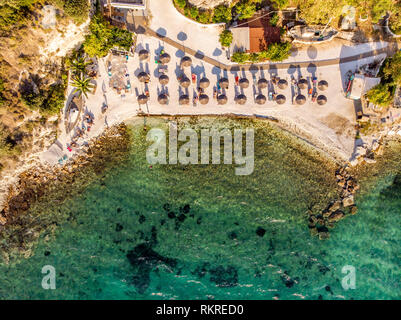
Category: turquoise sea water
[200,232]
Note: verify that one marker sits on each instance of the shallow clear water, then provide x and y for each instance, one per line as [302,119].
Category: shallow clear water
[195,232]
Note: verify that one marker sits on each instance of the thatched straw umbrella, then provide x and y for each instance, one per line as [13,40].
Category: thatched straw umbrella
[223,82]
[163,99]
[280,99]
[244,83]
[142,99]
[203,99]
[300,99]
[185,82]
[282,84]
[186,61]
[164,79]
[323,85]
[303,83]
[143,55]
[321,100]
[204,83]
[222,99]
[143,77]
[262,83]
[260,99]
[165,58]
[184,99]
[241,99]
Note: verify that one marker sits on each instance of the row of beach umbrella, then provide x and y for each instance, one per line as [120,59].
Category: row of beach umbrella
[240,99]
[221,99]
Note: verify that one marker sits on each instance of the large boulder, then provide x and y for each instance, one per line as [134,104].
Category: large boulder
[334,206]
[336,216]
[348,201]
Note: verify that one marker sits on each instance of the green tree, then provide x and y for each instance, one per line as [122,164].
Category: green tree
[320,11]
[180,3]
[278,51]
[222,13]
[392,69]
[379,8]
[78,65]
[226,38]
[395,19]
[280,4]
[77,9]
[103,37]
[381,95]
[82,85]
[240,57]
[245,10]
[204,17]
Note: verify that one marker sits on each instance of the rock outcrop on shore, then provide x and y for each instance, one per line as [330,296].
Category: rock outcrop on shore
[320,223]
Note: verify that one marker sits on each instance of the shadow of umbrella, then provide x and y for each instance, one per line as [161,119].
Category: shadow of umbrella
[312,52]
[312,69]
[182,36]
[161,32]
[292,69]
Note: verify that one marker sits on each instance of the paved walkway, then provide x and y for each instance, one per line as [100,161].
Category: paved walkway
[389,50]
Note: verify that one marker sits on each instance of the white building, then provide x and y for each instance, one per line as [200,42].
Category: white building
[128,4]
[361,85]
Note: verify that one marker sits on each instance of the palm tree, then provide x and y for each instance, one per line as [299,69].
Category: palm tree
[78,65]
[82,84]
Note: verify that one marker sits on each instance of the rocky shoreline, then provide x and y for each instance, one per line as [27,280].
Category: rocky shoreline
[320,223]
[55,185]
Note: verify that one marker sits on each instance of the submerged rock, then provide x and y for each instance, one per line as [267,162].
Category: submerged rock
[348,201]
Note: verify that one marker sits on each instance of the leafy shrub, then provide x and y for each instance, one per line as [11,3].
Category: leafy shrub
[281,4]
[274,19]
[392,69]
[240,57]
[278,51]
[103,37]
[204,17]
[226,38]
[222,13]
[379,8]
[381,95]
[395,19]
[77,9]
[181,3]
